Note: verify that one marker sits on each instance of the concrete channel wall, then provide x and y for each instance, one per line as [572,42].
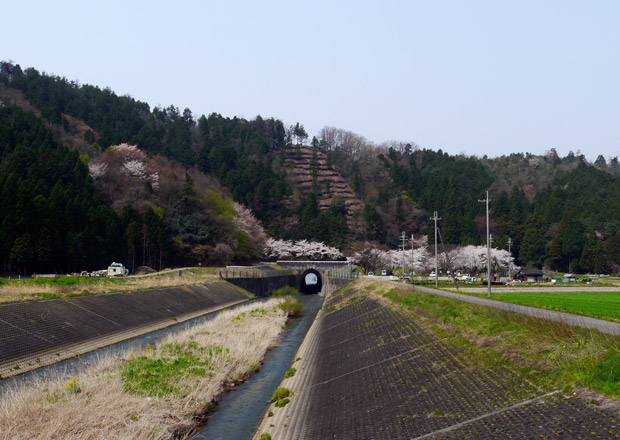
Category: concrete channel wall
[608,327]
[263,286]
[38,333]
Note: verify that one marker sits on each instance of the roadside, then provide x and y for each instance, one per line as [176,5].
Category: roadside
[548,352]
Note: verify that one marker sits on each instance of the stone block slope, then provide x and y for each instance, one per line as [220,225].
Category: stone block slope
[37,333]
[369,370]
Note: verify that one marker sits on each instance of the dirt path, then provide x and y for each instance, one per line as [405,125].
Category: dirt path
[368,370]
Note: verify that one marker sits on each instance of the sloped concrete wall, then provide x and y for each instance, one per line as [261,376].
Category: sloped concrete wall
[37,333]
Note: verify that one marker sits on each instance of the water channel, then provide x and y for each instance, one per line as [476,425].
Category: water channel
[239,411]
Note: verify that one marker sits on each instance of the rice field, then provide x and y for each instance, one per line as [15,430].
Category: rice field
[601,305]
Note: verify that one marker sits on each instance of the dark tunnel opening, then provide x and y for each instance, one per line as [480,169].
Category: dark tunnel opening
[311,282]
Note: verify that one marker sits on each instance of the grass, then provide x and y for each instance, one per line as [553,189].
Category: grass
[281,397]
[158,393]
[602,305]
[17,290]
[546,352]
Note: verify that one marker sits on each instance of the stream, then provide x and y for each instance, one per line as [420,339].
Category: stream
[240,411]
[72,367]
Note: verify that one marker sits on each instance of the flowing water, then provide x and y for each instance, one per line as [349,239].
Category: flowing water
[72,367]
[241,410]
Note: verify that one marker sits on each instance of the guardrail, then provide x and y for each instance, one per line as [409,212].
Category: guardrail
[342,274]
[253,273]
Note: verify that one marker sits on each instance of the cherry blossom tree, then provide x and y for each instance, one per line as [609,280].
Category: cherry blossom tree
[248,223]
[474,258]
[97,170]
[300,250]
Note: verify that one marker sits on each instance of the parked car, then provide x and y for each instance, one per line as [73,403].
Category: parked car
[383,273]
[371,274]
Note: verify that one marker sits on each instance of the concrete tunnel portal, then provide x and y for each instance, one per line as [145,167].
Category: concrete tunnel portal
[311,282]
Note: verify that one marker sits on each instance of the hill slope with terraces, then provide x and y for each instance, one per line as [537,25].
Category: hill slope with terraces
[307,170]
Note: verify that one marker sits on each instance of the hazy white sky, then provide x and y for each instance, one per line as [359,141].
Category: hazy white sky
[474,77]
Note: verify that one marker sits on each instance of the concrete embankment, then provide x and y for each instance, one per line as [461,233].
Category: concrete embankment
[38,333]
[369,369]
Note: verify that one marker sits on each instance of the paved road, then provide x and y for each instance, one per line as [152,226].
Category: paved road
[369,370]
[540,289]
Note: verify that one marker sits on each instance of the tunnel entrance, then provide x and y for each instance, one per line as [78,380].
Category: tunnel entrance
[311,282]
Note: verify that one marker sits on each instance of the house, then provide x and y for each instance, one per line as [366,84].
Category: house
[530,275]
[117,270]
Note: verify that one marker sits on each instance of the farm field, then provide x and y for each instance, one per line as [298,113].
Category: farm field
[432,367]
[600,303]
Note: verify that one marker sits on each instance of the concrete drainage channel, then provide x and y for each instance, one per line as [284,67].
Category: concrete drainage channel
[38,333]
[247,402]
[240,411]
[71,367]
[371,370]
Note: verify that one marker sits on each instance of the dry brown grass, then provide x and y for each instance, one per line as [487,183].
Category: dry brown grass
[29,290]
[98,407]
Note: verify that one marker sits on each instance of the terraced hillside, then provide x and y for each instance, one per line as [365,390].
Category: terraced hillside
[37,333]
[370,370]
[307,167]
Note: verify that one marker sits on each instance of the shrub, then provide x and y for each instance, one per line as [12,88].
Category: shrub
[291,306]
[290,372]
[285,291]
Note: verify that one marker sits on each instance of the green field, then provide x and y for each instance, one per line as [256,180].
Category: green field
[602,305]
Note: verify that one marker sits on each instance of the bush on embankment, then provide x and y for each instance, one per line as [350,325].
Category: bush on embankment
[155,394]
[289,304]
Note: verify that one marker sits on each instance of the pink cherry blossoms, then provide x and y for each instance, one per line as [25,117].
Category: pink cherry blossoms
[300,250]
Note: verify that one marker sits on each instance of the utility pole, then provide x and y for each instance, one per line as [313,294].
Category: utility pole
[411,268]
[402,274]
[488,246]
[435,218]
[509,261]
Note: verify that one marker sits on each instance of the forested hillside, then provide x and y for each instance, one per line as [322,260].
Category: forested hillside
[560,213]
[50,215]
[109,178]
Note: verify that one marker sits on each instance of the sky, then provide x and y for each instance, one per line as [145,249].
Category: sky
[468,77]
